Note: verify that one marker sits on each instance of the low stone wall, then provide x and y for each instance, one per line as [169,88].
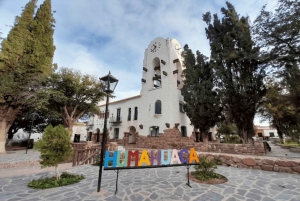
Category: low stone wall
[171,139]
[244,149]
[260,163]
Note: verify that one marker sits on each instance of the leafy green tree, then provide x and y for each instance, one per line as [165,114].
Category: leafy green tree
[239,72]
[278,110]
[71,94]
[55,147]
[278,33]
[24,59]
[24,122]
[202,103]
[227,129]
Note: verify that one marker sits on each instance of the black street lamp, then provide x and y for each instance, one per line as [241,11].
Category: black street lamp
[109,84]
[32,117]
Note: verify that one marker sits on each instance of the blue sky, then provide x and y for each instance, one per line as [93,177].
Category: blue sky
[95,36]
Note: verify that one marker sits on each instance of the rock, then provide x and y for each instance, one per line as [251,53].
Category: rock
[241,165]
[267,167]
[249,161]
[287,163]
[268,162]
[236,160]
[285,169]
[257,168]
[296,169]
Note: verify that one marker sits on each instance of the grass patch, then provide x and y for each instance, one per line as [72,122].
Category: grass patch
[291,144]
[65,179]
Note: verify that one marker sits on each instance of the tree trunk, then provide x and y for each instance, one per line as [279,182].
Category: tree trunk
[244,136]
[280,134]
[9,142]
[3,132]
[57,172]
[204,136]
[10,137]
[70,126]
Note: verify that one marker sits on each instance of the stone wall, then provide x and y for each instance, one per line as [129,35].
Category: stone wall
[260,163]
[171,139]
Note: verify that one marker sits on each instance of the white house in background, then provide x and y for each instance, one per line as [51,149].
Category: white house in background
[265,131]
[159,104]
[79,132]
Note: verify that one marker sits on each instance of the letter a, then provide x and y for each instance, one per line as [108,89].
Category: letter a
[144,158]
[193,156]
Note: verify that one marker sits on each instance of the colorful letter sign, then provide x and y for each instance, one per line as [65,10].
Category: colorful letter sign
[161,157]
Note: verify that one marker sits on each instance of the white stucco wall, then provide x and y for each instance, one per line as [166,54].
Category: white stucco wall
[168,93]
[268,131]
[79,129]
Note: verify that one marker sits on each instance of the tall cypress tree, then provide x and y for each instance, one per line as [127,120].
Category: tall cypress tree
[43,47]
[202,103]
[238,69]
[23,59]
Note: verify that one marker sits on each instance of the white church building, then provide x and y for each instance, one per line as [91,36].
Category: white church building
[159,104]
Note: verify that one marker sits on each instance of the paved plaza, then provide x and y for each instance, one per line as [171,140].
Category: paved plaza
[18,156]
[158,184]
[149,184]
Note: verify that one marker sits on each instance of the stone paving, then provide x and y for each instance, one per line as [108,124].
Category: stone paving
[277,151]
[18,156]
[159,184]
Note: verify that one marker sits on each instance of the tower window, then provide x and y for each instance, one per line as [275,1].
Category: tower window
[135,113]
[158,107]
[183,131]
[181,107]
[129,114]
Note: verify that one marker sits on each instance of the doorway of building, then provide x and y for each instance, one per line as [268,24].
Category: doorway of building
[132,135]
[76,138]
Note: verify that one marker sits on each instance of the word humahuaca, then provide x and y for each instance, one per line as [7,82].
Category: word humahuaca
[160,157]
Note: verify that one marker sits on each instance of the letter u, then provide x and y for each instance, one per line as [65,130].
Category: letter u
[162,157]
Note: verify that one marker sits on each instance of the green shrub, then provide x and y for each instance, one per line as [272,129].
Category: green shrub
[233,139]
[205,170]
[55,147]
[65,179]
[218,161]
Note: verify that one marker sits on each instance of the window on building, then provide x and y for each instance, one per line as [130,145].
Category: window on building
[271,134]
[181,107]
[119,114]
[183,131]
[129,114]
[116,133]
[154,131]
[157,73]
[158,107]
[89,138]
[135,113]
[260,135]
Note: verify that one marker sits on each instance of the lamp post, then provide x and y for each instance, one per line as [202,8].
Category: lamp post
[32,116]
[109,84]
